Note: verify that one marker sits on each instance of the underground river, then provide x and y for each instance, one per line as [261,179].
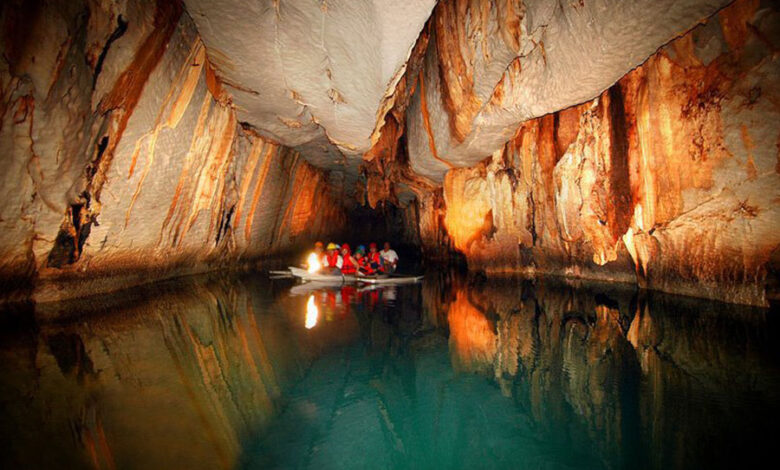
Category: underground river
[239,371]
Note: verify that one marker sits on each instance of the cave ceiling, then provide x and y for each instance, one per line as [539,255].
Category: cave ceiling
[316,75]
[311,74]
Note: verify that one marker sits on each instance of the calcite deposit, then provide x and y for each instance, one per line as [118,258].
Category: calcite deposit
[125,159]
[669,178]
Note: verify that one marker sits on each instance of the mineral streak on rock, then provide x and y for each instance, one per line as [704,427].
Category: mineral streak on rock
[661,179]
[131,165]
[494,65]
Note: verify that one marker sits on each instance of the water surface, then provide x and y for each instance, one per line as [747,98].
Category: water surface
[227,371]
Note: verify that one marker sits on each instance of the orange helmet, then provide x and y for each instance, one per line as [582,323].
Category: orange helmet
[318,245]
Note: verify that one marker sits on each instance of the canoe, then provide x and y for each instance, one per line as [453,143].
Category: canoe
[345,278]
[332,278]
[389,279]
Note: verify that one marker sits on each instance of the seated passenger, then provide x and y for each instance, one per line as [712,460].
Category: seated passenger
[333,260]
[316,258]
[389,258]
[362,261]
[350,264]
[374,259]
[319,250]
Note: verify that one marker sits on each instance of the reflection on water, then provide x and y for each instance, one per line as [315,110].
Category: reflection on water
[224,372]
[312,313]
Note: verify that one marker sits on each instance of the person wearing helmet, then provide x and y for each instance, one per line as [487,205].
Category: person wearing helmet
[350,264]
[333,260]
[374,259]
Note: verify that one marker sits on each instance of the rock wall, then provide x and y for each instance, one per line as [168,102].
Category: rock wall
[124,159]
[670,178]
[492,65]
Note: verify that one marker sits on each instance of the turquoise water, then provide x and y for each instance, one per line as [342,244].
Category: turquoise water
[244,372]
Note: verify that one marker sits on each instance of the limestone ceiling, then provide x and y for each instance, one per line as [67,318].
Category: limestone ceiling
[312,74]
[566,53]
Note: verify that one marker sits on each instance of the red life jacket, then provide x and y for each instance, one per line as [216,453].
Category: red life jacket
[376,261]
[365,266]
[348,267]
[333,259]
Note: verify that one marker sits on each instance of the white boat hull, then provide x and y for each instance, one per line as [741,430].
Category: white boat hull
[347,278]
[333,278]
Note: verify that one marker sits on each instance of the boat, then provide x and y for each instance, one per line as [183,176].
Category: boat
[347,278]
[331,278]
[389,279]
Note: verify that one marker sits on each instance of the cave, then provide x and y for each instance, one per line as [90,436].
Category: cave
[584,194]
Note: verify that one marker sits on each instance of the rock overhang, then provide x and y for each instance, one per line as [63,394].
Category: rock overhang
[311,75]
[317,75]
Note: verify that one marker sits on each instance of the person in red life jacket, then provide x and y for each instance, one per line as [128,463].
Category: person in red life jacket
[350,264]
[333,260]
[374,259]
[362,261]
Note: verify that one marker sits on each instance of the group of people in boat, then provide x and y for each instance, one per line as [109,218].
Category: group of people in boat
[340,259]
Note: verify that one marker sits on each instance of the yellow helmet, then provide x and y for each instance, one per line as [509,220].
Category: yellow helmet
[332,246]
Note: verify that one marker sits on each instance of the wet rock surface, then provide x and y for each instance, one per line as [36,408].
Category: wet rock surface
[132,164]
[660,180]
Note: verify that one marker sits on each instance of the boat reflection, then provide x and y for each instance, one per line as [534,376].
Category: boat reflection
[329,302]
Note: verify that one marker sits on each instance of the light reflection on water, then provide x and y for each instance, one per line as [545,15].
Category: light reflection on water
[224,372]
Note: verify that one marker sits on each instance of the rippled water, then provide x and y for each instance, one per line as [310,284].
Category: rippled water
[224,372]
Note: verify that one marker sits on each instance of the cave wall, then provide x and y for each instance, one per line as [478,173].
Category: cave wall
[124,156]
[669,178]
[492,65]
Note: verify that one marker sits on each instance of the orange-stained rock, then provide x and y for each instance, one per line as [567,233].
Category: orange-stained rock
[667,179]
[132,166]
